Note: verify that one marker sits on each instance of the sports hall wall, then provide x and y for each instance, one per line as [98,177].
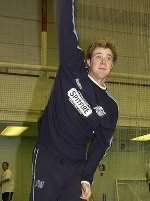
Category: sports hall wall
[25,87]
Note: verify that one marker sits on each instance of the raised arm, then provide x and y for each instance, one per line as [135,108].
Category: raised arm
[69,51]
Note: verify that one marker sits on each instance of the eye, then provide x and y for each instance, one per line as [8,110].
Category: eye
[109,58]
[98,57]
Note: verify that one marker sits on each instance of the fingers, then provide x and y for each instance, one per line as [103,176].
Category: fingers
[86,191]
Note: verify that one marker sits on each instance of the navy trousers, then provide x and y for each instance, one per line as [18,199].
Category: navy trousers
[55,178]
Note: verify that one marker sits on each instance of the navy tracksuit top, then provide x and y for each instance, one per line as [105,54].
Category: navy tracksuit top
[78,111]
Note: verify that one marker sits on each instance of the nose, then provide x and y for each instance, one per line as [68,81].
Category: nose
[103,60]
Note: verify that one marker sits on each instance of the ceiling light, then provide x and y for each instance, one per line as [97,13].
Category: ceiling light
[142,138]
[13,130]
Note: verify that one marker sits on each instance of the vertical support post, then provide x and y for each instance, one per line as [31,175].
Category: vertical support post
[44,33]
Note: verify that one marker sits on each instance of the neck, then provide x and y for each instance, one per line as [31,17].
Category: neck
[99,83]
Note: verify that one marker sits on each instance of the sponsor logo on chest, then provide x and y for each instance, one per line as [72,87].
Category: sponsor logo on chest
[79,102]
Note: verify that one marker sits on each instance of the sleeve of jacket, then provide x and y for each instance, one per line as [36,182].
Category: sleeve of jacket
[70,54]
[101,142]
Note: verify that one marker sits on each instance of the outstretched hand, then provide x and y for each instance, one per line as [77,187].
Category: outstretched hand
[86,191]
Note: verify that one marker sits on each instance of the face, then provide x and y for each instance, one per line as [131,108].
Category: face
[100,64]
[4,166]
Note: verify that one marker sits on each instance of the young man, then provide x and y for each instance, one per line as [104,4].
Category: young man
[7,182]
[80,112]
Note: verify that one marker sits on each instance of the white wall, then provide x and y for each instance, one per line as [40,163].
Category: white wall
[18,152]
[128,166]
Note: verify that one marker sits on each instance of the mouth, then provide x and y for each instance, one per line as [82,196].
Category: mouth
[102,68]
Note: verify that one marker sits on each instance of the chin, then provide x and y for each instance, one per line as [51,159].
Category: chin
[101,77]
